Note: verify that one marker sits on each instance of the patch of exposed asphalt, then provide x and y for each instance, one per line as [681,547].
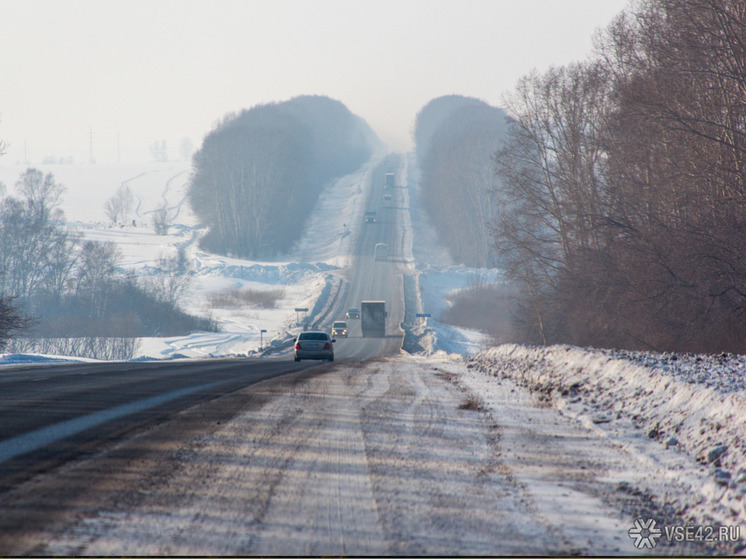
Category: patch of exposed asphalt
[119,476]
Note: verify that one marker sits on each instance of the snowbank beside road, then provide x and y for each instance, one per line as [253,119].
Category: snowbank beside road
[684,418]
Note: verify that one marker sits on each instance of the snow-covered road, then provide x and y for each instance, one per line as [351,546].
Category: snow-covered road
[402,456]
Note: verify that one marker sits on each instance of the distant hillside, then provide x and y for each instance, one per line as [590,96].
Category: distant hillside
[258,175]
[456,138]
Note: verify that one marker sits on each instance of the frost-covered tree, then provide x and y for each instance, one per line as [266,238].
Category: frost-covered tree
[186,148]
[456,138]
[159,151]
[12,320]
[32,238]
[119,206]
[259,173]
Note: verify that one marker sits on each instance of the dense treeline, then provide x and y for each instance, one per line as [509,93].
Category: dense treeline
[60,286]
[258,175]
[455,139]
[622,216]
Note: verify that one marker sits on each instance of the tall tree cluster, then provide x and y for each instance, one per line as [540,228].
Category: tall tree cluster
[622,213]
[259,173]
[455,139]
[69,287]
[35,251]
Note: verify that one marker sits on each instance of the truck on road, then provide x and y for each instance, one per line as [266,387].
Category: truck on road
[373,319]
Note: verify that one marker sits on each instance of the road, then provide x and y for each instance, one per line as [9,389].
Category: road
[52,413]
[375,454]
[379,280]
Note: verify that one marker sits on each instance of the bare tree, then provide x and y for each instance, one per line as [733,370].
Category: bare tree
[272,156]
[42,193]
[677,158]
[626,185]
[96,272]
[159,151]
[31,238]
[119,206]
[173,281]
[242,173]
[12,321]
[161,221]
[553,201]
[186,148]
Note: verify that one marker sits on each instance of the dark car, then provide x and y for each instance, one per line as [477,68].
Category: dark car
[353,313]
[314,345]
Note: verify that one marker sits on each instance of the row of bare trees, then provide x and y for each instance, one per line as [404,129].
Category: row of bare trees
[622,214]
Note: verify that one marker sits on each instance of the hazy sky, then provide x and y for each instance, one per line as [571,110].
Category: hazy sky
[137,71]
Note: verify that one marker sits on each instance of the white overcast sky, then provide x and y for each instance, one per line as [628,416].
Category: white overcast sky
[137,71]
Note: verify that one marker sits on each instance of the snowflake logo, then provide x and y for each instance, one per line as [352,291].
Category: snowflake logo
[645,533]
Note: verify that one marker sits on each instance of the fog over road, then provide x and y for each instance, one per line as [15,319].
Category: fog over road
[379,453]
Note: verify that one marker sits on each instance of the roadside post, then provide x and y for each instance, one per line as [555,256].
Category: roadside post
[424,315]
[299,310]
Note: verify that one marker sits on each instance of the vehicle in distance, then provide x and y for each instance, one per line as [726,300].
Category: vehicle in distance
[389,180]
[381,251]
[370,217]
[314,345]
[353,313]
[387,196]
[373,318]
[339,328]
